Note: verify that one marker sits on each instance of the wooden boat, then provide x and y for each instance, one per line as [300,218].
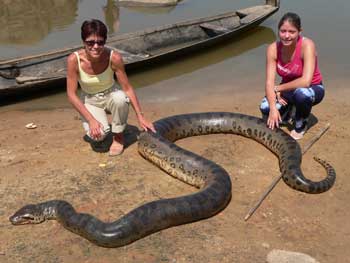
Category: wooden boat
[137,48]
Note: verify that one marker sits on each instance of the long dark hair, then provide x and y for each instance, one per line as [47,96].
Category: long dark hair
[93,27]
[292,18]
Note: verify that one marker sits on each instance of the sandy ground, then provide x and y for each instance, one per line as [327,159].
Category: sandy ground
[52,162]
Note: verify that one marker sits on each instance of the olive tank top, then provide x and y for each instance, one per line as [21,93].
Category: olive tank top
[93,84]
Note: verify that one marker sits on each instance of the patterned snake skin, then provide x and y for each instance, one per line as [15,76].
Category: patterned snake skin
[212,180]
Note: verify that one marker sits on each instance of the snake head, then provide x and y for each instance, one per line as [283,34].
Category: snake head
[29,214]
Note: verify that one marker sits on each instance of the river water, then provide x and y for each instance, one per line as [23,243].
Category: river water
[34,26]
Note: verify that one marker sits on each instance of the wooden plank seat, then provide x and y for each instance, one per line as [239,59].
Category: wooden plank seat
[215,28]
[127,54]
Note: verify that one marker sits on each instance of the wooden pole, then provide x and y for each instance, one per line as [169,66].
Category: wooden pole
[277,179]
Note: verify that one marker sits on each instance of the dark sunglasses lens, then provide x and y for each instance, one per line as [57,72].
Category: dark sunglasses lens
[92,43]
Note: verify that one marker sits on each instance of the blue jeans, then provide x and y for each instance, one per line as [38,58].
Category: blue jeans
[302,98]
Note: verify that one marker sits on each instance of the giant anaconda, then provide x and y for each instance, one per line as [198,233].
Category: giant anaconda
[213,181]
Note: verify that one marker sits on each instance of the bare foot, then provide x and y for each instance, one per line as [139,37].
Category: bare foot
[117,146]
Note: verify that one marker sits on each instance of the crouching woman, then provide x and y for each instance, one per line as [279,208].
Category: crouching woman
[94,67]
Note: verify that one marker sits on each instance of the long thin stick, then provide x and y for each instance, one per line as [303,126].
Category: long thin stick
[277,179]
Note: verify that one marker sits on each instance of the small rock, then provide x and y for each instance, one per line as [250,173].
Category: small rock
[31,126]
[265,245]
[283,256]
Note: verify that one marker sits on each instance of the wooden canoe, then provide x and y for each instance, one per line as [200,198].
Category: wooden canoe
[137,48]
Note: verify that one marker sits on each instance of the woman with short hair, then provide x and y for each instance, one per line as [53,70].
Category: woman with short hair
[94,68]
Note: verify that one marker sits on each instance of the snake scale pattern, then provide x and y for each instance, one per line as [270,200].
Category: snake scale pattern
[213,181]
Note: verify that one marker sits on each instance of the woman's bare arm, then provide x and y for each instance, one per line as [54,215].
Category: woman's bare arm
[118,67]
[72,87]
[271,60]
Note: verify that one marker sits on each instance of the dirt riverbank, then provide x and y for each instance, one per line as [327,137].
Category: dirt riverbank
[53,162]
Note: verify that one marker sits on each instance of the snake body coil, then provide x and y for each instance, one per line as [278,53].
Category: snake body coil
[213,181]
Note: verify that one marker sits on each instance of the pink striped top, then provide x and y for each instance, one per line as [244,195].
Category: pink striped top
[294,69]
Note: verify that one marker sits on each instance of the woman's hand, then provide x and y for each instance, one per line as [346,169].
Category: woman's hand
[144,124]
[280,99]
[274,119]
[96,129]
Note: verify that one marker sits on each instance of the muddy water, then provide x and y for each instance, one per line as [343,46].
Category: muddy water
[39,25]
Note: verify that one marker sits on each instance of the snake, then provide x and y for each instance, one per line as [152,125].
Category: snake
[213,182]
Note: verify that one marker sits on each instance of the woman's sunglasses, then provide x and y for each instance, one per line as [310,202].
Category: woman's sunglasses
[91,43]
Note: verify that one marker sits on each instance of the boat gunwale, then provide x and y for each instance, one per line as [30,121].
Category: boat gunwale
[236,30]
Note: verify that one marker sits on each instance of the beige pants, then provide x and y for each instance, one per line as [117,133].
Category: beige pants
[112,101]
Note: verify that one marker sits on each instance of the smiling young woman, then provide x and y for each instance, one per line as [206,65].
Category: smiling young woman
[94,68]
[294,58]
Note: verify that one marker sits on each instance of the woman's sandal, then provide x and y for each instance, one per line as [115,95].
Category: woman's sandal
[298,135]
[116,149]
